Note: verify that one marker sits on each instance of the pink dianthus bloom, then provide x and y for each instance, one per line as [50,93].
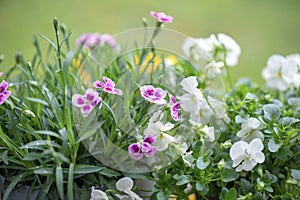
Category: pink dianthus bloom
[108,86]
[161,17]
[4,93]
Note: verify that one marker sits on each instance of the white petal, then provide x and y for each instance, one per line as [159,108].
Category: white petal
[248,165]
[134,196]
[162,141]
[124,184]
[238,149]
[168,126]
[258,157]
[238,160]
[255,145]
[98,195]
[253,123]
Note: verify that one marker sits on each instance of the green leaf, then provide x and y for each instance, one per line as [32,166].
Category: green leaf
[273,146]
[201,164]
[203,188]
[229,175]
[37,143]
[109,172]
[247,187]
[13,184]
[67,62]
[43,170]
[84,134]
[59,181]
[231,194]
[181,179]
[86,169]
[4,157]
[36,100]
[296,174]
[70,181]
[48,40]
[50,133]
[32,156]
[271,112]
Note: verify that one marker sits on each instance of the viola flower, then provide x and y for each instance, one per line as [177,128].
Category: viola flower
[89,40]
[213,69]
[4,93]
[137,150]
[209,132]
[161,17]
[233,50]
[154,95]
[175,108]
[251,130]
[98,195]
[247,154]
[279,72]
[190,102]
[125,185]
[203,114]
[86,102]
[159,132]
[108,86]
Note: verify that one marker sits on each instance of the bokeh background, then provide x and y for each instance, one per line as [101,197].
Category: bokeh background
[261,27]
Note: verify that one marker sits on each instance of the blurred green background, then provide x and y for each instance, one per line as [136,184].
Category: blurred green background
[261,27]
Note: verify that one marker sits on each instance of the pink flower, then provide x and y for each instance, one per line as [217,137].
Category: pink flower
[137,150]
[86,102]
[152,94]
[4,93]
[175,107]
[1,73]
[161,17]
[88,40]
[108,86]
[108,39]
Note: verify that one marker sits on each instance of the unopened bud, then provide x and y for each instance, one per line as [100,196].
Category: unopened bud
[28,113]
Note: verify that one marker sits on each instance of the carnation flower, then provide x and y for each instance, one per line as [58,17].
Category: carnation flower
[159,131]
[86,102]
[246,156]
[88,40]
[161,17]
[175,108]
[108,86]
[154,95]
[137,150]
[4,93]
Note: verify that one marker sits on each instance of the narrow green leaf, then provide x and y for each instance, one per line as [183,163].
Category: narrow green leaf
[68,61]
[70,181]
[13,184]
[109,172]
[59,181]
[50,133]
[4,157]
[43,170]
[48,40]
[84,134]
[38,143]
[86,169]
[37,100]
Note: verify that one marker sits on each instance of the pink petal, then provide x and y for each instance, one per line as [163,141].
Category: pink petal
[109,82]
[78,100]
[149,139]
[3,86]
[85,110]
[91,95]
[99,84]
[96,101]
[151,152]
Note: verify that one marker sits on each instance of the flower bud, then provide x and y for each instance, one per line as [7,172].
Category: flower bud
[28,113]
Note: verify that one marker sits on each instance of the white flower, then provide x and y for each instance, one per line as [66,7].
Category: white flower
[190,102]
[246,156]
[219,109]
[98,195]
[213,69]
[279,72]
[251,130]
[210,132]
[158,131]
[233,50]
[295,58]
[202,115]
[220,48]
[125,185]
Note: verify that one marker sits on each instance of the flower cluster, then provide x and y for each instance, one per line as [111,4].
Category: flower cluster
[4,92]
[91,40]
[137,150]
[282,73]
[91,98]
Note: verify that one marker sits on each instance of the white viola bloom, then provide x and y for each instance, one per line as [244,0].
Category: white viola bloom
[296,80]
[213,69]
[192,49]
[246,156]
[233,50]
[279,72]
[159,131]
[98,195]
[209,132]
[190,102]
[251,130]
[125,185]
[203,115]
[295,58]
